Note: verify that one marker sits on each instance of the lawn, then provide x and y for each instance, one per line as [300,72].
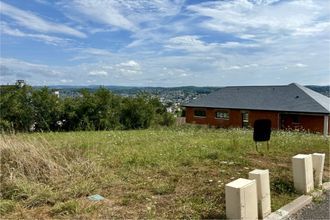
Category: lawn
[156,173]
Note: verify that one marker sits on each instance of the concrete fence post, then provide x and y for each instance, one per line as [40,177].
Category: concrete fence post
[302,166]
[263,191]
[318,165]
[241,199]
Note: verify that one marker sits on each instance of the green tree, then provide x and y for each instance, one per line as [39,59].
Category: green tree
[108,107]
[16,109]
[137,112]
[47,110]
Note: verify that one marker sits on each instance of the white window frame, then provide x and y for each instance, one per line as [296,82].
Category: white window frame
[223,113]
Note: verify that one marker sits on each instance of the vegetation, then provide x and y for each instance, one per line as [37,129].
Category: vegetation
[28,109]
[154,173]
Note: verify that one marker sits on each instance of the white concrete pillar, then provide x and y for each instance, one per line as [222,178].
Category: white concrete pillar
[263,191]
[241,199]
[318,165]
[325,125]
[302,167]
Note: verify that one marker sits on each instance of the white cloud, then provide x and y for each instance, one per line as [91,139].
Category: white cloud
[98,73]
[235,67]
[130,64]
[255,18]
[123,14]
[90,53]
[238,67]
[21,69]
[128,68]
[66,80]
[5,29]
[30,21]
[96,51]
[301,65]
[105,12]
[190,43]
[232,44]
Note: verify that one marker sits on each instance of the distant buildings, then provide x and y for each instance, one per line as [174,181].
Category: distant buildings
[288,107]
[56,93]
[20,83]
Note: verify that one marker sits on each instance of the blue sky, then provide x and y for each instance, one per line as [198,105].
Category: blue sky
[165,42]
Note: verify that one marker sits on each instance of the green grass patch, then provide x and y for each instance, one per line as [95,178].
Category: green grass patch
[155,173]
[6,206]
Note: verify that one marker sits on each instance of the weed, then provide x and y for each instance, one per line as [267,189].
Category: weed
[65,208]
[163,189]
[212,155]
[282,186]
[6,206]
[176,173]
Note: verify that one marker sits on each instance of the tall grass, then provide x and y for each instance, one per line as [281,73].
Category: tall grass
[156,173]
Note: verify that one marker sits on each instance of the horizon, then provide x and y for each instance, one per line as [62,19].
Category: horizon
[202,86]
[169,43]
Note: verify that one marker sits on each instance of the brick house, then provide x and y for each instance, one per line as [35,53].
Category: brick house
[288,107]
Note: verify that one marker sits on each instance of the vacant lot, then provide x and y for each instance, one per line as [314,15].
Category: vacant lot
[170,173]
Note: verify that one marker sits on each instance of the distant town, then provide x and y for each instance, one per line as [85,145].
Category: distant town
[171,97]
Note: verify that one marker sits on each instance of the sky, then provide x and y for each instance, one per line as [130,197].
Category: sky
[165,42]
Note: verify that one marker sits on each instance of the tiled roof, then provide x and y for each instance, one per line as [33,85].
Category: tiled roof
[287,98]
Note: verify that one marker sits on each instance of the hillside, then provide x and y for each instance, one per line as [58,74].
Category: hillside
[156,173]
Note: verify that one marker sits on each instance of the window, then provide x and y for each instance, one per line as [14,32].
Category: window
[295,119]
[222,115]
[200,113]
[245,119]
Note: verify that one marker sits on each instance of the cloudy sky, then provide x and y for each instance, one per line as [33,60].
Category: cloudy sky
[165,42]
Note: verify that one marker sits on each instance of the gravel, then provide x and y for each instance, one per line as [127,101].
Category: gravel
[315,210]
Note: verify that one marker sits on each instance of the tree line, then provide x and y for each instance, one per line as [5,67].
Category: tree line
[28,109]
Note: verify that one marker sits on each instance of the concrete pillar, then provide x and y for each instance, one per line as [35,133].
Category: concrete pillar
[318,165]
[241,199]
[263,191]
[302,167]
[325,125]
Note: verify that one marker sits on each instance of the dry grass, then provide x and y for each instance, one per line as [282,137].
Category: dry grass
[178,173]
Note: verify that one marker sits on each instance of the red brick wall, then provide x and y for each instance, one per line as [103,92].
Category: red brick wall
[310,123]
[313,123]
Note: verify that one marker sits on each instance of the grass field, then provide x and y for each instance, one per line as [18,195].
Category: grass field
[161,173]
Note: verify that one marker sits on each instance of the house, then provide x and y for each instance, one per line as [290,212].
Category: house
[56,93]
[288,107]
[20,83]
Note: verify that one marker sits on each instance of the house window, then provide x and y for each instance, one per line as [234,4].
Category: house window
[222,115]
[200,113]
[245,119]
[295,119]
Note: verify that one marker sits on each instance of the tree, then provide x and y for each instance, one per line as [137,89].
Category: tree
[16,108]
[137,112]
[46,110]
[108,107]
